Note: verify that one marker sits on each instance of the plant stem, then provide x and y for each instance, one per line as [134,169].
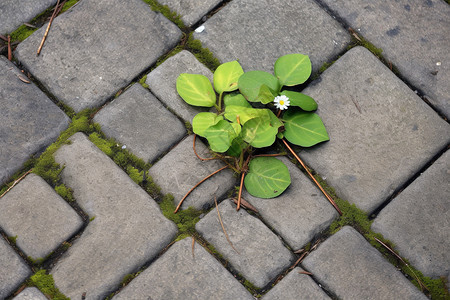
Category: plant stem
[220,102]
[240,192]
[312,177]
[200,182]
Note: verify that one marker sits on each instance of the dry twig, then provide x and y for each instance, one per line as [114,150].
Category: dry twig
[48,28]
[193,246]
[240,192]
[245,204]
[16,182]
[223,227]
[9,48]
[305,272]
[200,182]
[312,177]
[195,151]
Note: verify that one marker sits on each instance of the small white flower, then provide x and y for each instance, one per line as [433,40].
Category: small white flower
[124,147]
[281,102]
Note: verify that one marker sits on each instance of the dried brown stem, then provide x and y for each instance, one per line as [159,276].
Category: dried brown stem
[240,191]
[193,246]
[245,204]
[196,154]
[299,260]
[422,286]
[312,177]
[200,182]
[9,48]
[48,28]
[223,227]
[16,182]
[304,272]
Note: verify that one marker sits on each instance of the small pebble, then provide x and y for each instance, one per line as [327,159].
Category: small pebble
[200,29]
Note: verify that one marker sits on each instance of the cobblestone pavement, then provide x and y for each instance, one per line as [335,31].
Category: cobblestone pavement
[102,229]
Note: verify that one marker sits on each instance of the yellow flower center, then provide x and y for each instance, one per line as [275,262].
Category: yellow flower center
[281,102]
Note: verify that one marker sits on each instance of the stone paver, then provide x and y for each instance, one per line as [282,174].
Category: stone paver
[30,293]
[418,220]
[191,11]
[296,286]
[128,229]
[29,121]
[381,132]
[38,216]
[13,270]
[261,256]
[14,12]
[96,48]
[298,214]
[347,265]
[182,273]
[162,81]
[258,32]
[180,170]
[138,120]
[414,36]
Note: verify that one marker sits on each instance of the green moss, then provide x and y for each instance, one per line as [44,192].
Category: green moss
[66,245]
[189,128]
[249,286]
[127,279]
[185,219]
[92,219]
[135,174]
[203,54]
[65,192]
[12,239]
[37,261]
[105,145]
[165,10]
[45,283]
[142,82]
[68,5]
[22,33]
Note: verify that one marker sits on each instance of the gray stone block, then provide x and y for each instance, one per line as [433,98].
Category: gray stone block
[138,120]
[183,273]
[128,230]
[30,293]
[13,270]
[162,81]
[258,32]
[180,170]
[414,36]
[298,214]
[296,286]
[418,220]
[380,131]
[347,265]
[262,255]
[191,11]
[14,12]
[96,48]
[29,121]
[38,216]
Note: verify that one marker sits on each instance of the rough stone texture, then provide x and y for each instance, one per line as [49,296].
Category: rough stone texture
[30,293]
[414,36]
[96,48]
[183,274]
[347,265]
[12,269]
[128,229]
[381,132]
[38,216]
[261,256]
[29,121]
[418,220]
[296,286]
[162,81]
[191,11]
[257,32]
[15,12]
[180,170]
[299,213]
[138,120]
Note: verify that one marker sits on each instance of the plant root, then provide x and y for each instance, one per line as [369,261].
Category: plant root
[16,182]
[223,227]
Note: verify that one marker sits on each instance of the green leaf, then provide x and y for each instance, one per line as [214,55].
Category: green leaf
[301,100]
[267,177]
[226,77]
[236,147]
[196,90]
[258,132]
[235,100]
[244,113]
[203,121]
[304,128]
[250,84]
[220,136]
[274,121]
[266,95]
[292,69]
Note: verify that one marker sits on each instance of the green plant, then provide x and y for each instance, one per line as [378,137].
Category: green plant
[251,112]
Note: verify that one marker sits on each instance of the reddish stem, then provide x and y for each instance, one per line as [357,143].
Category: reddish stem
[240,191]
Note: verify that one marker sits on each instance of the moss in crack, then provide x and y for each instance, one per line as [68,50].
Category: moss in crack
[142,82]
[12,239]
[203,54]
[65,192]
[45,283]
[185,219]
[165,10]
[68,5]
